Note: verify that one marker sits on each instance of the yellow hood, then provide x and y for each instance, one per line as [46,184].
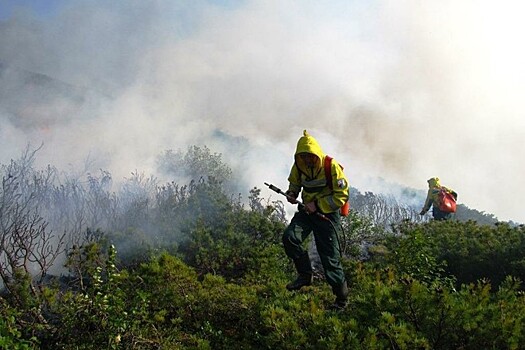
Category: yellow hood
[433,182]
[308,144]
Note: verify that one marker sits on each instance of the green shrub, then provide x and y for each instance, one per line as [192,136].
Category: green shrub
[11,332]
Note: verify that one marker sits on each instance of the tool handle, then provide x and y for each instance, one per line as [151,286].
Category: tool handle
[301,205]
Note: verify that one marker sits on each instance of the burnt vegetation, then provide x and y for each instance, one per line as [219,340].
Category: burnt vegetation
[186,264]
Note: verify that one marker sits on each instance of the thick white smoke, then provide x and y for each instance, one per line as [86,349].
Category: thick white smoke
[405,90]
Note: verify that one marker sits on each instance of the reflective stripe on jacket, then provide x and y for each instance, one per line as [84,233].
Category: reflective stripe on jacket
[312,180]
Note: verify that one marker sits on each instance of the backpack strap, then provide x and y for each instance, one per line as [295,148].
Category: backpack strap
[328,171]
[344,210]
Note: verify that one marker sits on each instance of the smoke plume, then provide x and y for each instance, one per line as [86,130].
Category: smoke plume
[402,90]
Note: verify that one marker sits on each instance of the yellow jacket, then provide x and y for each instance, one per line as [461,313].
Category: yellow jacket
[312,180]
[434,188]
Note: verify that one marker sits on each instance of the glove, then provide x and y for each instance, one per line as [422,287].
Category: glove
[291,196]
[310,207]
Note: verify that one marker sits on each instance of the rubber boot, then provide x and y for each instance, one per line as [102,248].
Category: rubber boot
[341,296]
[304,270]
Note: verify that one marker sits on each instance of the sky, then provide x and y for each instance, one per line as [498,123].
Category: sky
[401,90]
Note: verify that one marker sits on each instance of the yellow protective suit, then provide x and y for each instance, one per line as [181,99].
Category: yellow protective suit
[434,188]
[311,180]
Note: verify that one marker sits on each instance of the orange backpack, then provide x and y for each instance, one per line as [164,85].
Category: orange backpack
[447,202]
[345,209]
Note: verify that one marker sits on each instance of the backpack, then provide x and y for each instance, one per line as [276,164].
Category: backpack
[345,209]
[447,202]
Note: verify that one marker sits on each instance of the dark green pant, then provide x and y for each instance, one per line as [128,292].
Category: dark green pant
[326,241]
[440,215]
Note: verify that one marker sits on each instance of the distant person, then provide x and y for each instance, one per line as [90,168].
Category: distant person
[307,177]
[434,189]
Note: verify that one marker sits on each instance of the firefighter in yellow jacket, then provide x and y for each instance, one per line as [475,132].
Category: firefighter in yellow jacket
[434,187]
[307,177]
